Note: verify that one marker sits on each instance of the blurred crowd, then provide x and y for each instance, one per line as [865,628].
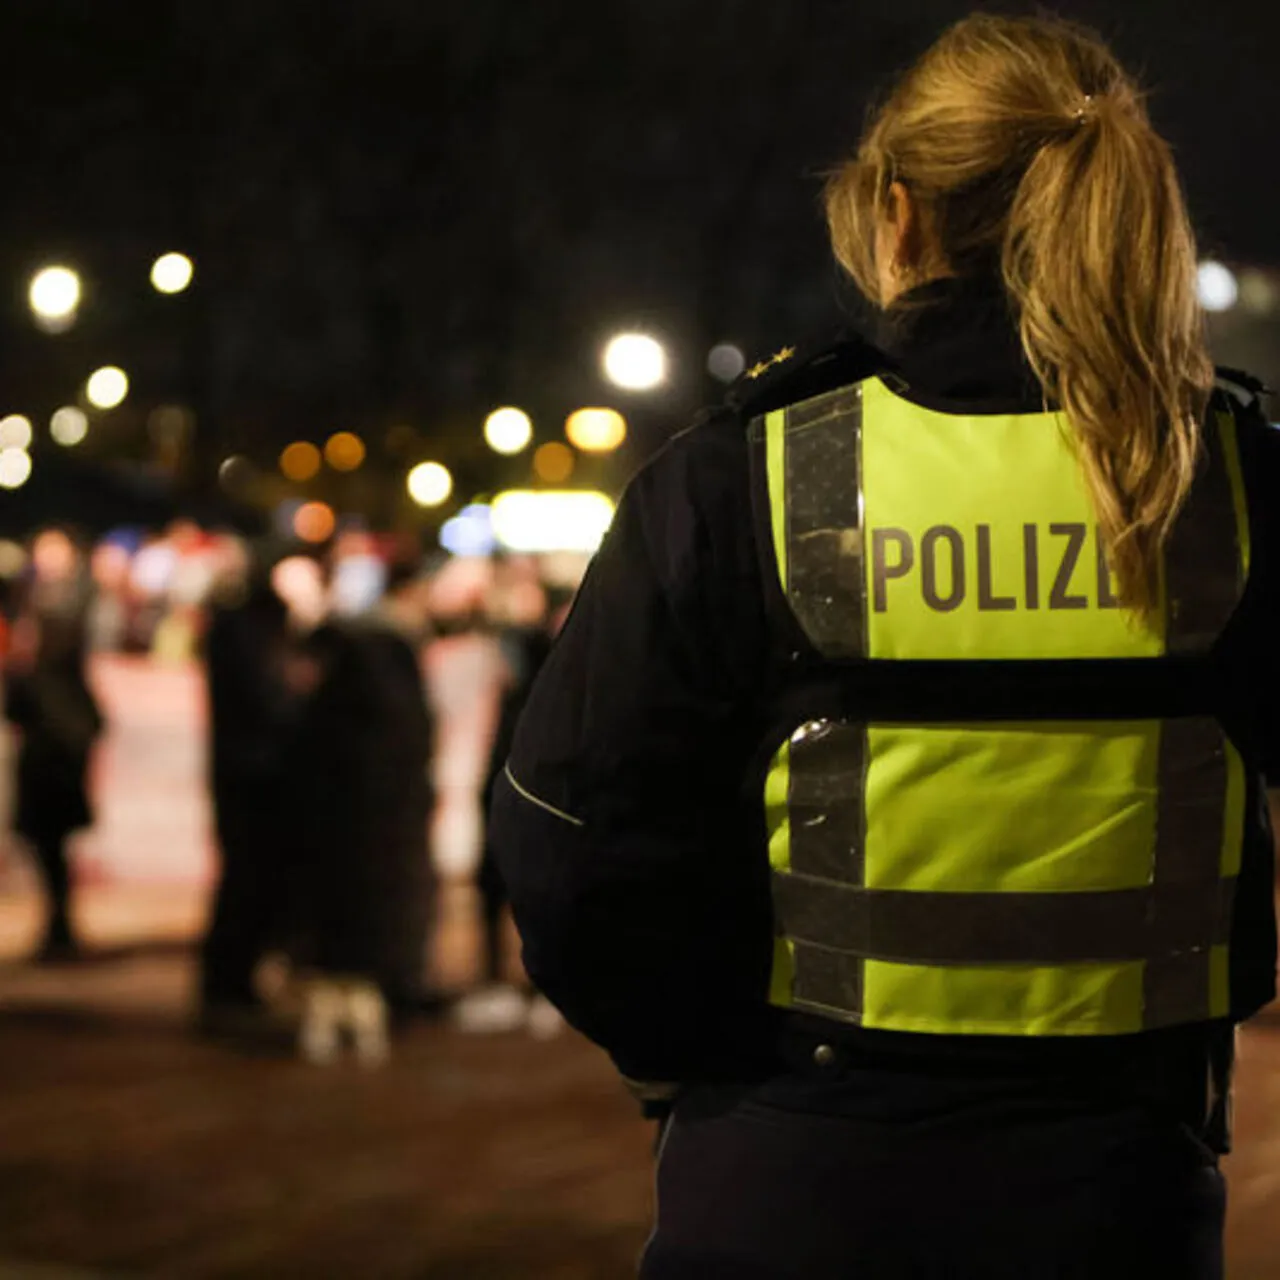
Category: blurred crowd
[327,752]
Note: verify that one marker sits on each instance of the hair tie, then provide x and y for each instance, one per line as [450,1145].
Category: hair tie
[1085,109]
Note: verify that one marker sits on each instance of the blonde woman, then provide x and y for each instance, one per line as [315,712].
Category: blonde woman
[891,807]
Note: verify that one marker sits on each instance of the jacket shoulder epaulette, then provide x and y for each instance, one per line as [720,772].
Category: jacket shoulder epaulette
[1243,388]
[795,373]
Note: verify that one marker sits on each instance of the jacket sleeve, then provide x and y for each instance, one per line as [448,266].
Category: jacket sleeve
[619,822]
[1248,657]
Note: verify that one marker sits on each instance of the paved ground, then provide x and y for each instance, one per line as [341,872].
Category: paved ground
[128,1148]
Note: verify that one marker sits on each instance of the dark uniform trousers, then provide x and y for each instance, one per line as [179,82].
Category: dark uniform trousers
[823,1197]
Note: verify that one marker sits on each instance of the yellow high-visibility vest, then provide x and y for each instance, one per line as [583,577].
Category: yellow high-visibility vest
[1015,878]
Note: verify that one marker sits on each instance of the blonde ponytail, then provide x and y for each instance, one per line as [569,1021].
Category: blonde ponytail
[1029,151]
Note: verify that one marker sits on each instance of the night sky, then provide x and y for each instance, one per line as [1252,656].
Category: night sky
[404,212]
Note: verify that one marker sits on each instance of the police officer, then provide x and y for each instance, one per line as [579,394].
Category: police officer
[891,808]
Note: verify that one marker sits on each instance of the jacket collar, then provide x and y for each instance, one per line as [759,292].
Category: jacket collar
[956,339]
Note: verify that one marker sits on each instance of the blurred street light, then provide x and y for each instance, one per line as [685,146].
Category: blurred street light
[171,272]
[429,484]
[234,472]
[15,432]
[532,521]
[508,430]
[725,362]
[68,426]
[1217,286]
[15,468]
[314,521]
[553,462]
[54,295]
[107,387]
[300,461]
[635,361]
[344,451]
[596,430]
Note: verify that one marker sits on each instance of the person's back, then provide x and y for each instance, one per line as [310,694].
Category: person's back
[362,799]
[48,698]
[243,652]
[250,711]
[891,803]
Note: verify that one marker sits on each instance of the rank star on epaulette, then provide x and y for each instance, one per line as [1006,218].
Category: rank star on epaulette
[778,357]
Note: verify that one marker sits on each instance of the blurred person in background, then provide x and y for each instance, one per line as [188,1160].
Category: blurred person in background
[251,715]
[8,598]
[109,565]
[396,631]
[151,573]
[358,575]
[197,559]
[520,613]
[49,701]
[891,807]
[464,675]
[8,595]
[359,794]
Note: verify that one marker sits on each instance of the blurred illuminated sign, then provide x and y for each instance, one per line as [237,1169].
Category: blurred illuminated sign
[550,520]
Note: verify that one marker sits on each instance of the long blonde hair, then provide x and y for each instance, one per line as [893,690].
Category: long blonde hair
[1028,150]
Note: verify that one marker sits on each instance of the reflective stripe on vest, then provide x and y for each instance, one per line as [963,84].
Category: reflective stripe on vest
[1013,879]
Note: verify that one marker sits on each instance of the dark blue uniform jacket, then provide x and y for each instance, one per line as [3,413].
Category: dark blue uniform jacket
[629,825]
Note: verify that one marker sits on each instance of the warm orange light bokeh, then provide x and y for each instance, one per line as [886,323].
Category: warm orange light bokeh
[300,461]
[344,451]
[553,462]
[596,430]
[314,521]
